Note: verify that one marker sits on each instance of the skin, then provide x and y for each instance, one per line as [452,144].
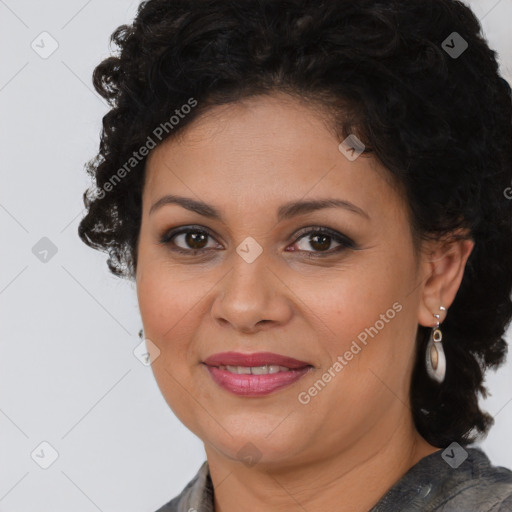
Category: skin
[355,438]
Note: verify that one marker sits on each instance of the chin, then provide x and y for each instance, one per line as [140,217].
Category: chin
[255,447]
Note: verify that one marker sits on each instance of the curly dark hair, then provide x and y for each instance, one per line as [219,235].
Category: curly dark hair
[439,122]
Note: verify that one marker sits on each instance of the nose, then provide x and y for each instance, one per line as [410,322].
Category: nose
[252,297]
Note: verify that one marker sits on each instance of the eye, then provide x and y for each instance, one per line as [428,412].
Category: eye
[194,240]
[320,239]
[189,240]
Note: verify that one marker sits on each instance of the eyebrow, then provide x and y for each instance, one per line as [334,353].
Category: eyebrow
[286,211]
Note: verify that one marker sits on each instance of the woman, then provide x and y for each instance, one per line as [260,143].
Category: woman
[310,198]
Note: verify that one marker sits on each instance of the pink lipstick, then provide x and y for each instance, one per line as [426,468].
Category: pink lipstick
[255,374]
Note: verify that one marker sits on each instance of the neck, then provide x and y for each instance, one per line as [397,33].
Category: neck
[353,479]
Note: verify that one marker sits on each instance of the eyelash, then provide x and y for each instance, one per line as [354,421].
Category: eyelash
[344,241]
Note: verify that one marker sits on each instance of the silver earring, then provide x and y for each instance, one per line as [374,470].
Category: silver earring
[435,358]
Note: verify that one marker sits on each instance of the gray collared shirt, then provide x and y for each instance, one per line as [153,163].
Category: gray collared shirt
[437,482]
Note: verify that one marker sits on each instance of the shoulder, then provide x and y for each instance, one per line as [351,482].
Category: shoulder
[195,496]
[476,485]
[455,479]
[504,506]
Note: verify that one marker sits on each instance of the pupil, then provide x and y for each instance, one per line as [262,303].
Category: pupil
[191,239]
[324,245]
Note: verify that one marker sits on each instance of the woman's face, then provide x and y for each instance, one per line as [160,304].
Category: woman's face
[263,280]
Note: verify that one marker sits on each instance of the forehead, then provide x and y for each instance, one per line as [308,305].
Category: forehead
[265,149]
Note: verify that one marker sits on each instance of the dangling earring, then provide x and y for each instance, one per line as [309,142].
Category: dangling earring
[435,358]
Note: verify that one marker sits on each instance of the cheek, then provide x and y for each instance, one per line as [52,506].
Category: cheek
[168,308]
[346,303]
[163,293]
[366,316]
[165,305]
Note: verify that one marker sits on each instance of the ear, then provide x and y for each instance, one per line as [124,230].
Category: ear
[442,265]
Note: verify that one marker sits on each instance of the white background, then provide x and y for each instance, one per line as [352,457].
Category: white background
[68,375]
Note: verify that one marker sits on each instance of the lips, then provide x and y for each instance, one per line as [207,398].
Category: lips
[255,375]
[251,360]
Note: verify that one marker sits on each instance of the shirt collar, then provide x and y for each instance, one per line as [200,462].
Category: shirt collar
[421,484]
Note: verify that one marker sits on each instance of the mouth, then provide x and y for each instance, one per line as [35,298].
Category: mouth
[255,374]
[254,370]
[256,360]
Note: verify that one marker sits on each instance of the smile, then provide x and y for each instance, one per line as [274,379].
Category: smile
[255,381]
[254,370]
